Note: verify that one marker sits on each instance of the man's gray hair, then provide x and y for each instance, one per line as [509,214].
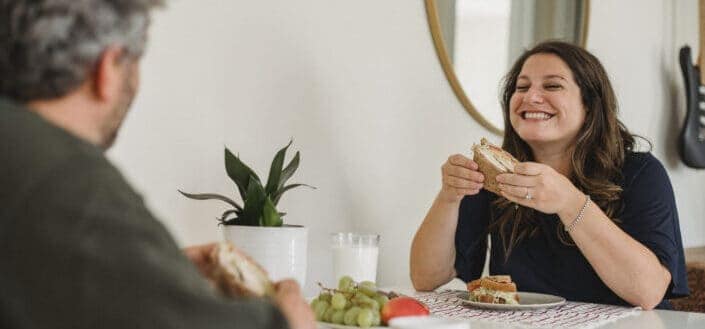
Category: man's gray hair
[49,47]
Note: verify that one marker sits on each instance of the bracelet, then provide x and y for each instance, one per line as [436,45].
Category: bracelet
[580,215]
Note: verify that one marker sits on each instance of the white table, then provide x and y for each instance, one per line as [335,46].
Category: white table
[656,319]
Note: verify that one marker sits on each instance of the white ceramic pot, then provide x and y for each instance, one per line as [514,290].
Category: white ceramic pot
[280,250]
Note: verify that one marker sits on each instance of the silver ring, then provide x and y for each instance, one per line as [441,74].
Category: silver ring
[528,194]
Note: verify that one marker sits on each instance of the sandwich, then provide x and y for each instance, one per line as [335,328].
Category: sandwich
[492,160]
[494,289]
[236,274]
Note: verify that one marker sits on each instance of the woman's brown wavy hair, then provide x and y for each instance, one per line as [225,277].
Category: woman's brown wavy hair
[600,145]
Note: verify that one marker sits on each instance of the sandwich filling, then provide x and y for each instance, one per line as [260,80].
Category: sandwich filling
[497,297]
[243,270]
[497,158]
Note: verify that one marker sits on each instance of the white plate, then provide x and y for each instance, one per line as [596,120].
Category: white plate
[340,326]
[527,301]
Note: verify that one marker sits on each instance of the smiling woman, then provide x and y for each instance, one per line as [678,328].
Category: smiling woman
[545,107]
[583,215]
[476,40]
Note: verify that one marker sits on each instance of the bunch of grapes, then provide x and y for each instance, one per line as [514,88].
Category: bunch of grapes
[352,304]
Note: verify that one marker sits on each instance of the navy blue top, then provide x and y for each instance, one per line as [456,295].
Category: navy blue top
[542,263]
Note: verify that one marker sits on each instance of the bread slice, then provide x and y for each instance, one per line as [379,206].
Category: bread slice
[497,289]
[236,274]
[492,161]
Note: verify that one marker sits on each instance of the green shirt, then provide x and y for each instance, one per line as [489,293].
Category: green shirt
[79,249]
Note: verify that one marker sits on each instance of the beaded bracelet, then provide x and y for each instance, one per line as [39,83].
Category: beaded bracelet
[580,215]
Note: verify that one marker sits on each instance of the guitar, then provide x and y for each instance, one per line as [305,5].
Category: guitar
[691,142]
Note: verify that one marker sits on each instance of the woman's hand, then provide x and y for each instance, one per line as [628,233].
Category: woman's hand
[460,178]
[540,187]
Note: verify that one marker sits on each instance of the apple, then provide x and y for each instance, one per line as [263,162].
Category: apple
[402,306]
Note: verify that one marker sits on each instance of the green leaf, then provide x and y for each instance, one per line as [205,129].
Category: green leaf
[275,171]
[232,221]
[270,217]
[239,172]
[289,170]
[224,217]
[211,196]
[279,193]
[254,203]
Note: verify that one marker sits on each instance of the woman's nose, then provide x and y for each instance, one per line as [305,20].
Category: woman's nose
[533,96]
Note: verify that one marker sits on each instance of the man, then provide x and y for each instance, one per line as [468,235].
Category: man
[78,248]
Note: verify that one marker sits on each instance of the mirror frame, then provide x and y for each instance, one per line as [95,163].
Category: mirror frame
[439,44]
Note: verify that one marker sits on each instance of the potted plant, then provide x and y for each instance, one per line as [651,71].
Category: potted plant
[257,227]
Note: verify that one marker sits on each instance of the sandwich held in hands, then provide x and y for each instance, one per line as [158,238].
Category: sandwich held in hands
[492,160]
[236,274]
[494,289]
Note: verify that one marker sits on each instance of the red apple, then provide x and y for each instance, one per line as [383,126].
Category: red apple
[402,306]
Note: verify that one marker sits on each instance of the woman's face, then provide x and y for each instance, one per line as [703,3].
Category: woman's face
[546,107]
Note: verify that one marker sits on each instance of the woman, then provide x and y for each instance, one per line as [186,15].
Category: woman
[584,216]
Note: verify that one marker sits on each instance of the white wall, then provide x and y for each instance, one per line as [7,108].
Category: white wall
[358,86]
[638,42]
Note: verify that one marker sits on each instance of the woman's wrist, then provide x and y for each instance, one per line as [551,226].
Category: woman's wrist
[571,209]
[449,198]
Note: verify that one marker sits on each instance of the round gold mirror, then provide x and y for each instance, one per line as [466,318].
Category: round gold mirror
[477,40]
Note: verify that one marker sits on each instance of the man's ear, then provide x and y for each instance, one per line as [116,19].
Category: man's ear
[108,75]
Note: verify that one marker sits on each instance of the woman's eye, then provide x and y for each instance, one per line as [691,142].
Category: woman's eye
[552,87]
[522,88]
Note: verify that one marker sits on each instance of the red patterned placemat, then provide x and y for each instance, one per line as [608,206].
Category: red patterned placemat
[446,303]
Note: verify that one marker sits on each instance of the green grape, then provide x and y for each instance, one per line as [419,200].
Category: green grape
[345,283]
[367,292]
[320,310]
[313,303]
[364,301]
[374,305]
[358,298]
[338,301]
[338,317]
[368,288]
[350,317]
[365,318]
[324,296]
[381,300]
[369,284]
[377,319]
[328,316]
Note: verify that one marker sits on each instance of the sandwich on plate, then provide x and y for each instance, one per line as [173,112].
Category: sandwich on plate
[494,289]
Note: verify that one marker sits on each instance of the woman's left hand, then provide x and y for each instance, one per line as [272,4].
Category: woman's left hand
[538,186]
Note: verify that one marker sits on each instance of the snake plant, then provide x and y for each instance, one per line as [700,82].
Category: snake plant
[259,200]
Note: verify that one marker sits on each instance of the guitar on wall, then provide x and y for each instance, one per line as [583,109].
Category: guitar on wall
[692,137]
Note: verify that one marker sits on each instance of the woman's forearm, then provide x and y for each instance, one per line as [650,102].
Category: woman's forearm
[433,248]
[626,266]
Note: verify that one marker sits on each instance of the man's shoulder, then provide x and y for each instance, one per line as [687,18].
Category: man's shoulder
[42,159]
[33,148]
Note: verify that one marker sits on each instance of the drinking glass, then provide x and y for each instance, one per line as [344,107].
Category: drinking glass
[355,255]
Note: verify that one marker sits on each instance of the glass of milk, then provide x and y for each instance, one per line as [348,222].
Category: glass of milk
[355,255]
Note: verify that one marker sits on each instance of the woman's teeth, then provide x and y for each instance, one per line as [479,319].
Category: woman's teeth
[537,115]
